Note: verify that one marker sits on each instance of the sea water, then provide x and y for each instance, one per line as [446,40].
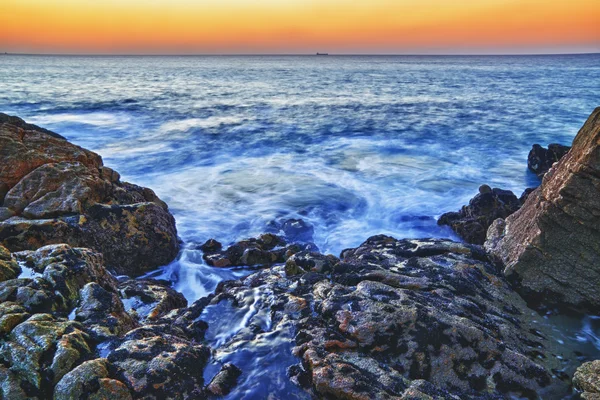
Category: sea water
[355,146]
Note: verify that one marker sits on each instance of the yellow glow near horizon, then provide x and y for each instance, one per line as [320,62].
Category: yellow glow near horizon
[275,26]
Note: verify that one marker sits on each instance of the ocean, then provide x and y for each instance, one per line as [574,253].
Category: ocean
[354,145]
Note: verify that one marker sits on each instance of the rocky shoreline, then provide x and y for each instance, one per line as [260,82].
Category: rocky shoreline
[390,319]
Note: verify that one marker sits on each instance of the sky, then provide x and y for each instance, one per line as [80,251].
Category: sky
[299,26]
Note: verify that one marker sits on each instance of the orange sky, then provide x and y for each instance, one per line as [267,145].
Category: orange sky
[299,26]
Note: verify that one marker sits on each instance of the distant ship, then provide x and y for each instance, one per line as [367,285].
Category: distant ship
[322,54]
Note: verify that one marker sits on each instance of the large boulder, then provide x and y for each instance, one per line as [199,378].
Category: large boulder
[551,247]
[52,191]
[473,220]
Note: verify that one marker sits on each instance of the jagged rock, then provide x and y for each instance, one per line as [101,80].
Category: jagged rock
[225,380]
[102,313]
[550,248]
[59,273]
[472,221]
[587,379]
[150,299]
[540,160]
[11,315]
[159,365]
[26,147]
[38,352]
[265,250]
[9,269]
[305,261]
[91,381]
[399,318]
[55,192]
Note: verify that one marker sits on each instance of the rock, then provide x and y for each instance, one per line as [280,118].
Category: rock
[225,380]
[587,379]
[525,195]
[55,192]
[305,261]
[6,213]
[134,238]
[11,315]
[211,246]
[9,269]
[102,313]
[540,160]
[265,250]
[150,299]
[59,273]
[472,221]
[159,365]
[550,248]
[26,147]
[38,352]
[57,189]
[91,381]
[397,319]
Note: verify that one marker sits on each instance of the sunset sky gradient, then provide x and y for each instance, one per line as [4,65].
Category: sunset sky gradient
[299,26]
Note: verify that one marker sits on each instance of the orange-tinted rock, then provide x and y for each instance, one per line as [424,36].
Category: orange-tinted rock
[52,192]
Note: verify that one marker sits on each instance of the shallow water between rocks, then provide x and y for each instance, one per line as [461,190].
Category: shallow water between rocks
[356,146]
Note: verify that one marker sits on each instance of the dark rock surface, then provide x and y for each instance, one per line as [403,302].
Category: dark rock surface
[266,250]
[472,221]
[540,160]
[400,318]
[55,192]
[551,247]
[150,299]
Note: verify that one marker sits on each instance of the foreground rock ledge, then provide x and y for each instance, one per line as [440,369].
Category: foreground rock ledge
[551,246]
[52,191]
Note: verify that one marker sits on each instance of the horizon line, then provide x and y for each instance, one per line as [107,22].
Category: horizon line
[295,54]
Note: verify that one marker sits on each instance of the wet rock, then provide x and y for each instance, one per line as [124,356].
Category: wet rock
[91,381]
[211,246]
[54,192]
[11,315]
[150,299]
[38,352]
[398,319]
[430,309]
[9,269]
[265,250]
[59,273]
[225,380]
[472,221]
[102,313]
[540,160]
[550,248]
[305,261]
[587,380]
[160,365]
